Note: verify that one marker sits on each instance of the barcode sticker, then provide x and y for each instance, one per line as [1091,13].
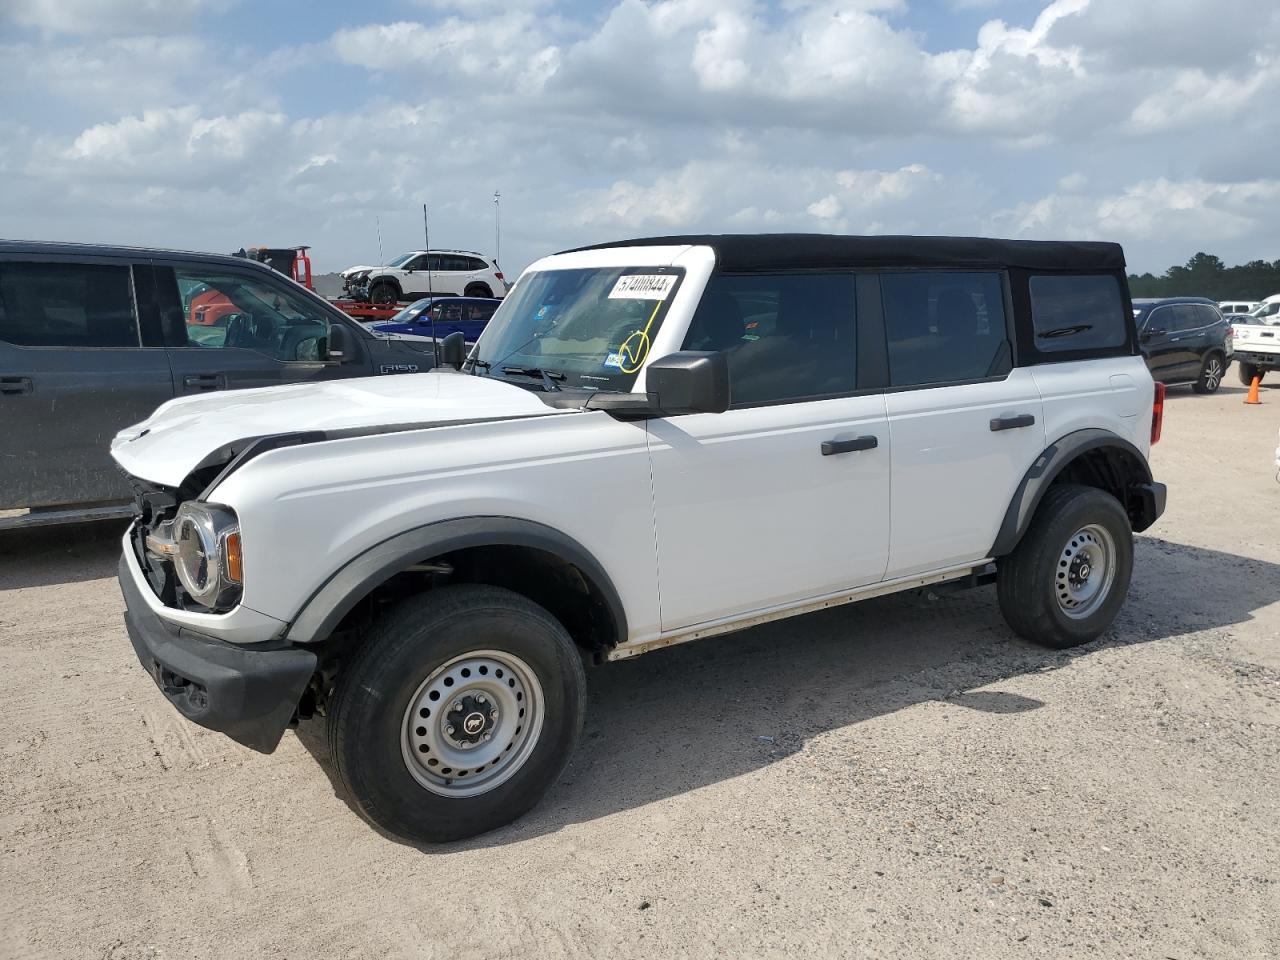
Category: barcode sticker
[643,286]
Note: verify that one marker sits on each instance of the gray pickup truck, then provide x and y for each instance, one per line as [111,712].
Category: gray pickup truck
[94,338]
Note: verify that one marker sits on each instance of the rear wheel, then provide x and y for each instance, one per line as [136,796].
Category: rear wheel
[1067,578]
[478,290]
[458,713]
[1211,372]
[1248,371]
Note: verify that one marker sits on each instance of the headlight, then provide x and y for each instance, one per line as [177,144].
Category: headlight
[207,556]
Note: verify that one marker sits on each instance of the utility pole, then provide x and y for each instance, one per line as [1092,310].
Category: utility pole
[496,235]
[431,287]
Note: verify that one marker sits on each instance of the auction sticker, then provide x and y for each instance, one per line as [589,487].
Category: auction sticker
[643,286]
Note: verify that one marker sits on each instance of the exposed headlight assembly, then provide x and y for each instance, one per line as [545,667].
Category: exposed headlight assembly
[206,554]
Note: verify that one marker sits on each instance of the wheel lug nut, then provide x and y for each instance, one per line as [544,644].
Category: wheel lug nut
[480,698]
[493,715]
[457,705]
[449,730]
[488,737]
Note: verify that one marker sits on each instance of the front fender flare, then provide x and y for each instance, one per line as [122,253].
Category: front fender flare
[1056,458]
[322,613]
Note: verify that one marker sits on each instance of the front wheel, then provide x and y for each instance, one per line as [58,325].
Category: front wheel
[1067,578]
[384,293]
[458,713]
[1211,372]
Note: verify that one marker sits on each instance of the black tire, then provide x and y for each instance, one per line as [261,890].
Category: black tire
[477,290]
[1247,372]
[384,292]
[368,711]
[1029,578]
[1211,373]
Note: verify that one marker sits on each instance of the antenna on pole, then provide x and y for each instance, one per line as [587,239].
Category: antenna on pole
[381,260]
[431,288]
[496,236]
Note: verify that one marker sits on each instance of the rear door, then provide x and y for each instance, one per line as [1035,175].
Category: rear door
[964,425]
[228,328]
[75,368]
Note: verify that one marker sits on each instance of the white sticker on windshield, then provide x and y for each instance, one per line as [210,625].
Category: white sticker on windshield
[643,286]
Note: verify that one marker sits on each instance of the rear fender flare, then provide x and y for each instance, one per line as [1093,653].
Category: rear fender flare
[1047,467]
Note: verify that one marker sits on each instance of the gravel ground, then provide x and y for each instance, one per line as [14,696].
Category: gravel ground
[898,778]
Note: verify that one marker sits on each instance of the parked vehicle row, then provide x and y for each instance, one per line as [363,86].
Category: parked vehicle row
[93,338]
[424,273]
[652,442]
[437,317]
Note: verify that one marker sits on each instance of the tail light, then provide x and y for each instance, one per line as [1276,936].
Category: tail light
[499,275]
[1157,413]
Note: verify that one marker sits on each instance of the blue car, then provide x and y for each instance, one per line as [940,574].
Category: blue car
[447,314]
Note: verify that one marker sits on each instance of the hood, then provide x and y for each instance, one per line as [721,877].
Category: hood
[169,444]
[350,270]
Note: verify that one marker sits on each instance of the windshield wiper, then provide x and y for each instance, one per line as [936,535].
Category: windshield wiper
[1065,331]
[549,377]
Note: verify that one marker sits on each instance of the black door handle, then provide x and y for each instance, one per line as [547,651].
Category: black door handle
[205,381]
[830,447]
[12,386]
[1012,423]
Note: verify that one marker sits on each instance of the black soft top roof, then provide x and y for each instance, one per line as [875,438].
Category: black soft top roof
[779,251]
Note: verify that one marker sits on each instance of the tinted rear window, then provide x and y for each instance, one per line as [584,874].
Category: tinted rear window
[66,305]
[1073,313]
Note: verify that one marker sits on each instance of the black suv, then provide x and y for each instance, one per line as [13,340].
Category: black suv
[1184,340]
[94,338]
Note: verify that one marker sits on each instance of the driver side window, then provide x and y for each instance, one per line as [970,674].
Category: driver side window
[231,311]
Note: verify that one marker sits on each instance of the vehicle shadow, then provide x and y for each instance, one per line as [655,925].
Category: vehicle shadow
[59,553]
[696,714]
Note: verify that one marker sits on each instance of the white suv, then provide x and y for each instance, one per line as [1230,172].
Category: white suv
[652,442]
[422,273]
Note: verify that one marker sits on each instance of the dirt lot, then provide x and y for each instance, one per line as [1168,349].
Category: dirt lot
[899,778]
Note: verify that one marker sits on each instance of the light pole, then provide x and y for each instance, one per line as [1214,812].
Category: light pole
[496,235]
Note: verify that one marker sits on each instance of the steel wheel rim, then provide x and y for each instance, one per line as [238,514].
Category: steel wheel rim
[1212,373]
[1085,572]
[475,756]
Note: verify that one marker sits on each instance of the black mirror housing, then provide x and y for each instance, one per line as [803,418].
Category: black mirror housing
[453,350]
[689,382]
[341,347]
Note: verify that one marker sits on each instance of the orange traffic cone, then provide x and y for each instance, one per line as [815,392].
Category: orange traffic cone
[1253,391]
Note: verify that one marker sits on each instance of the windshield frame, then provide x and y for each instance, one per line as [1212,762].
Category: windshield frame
[575,370]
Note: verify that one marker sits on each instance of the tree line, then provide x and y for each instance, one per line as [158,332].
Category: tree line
[1205,275]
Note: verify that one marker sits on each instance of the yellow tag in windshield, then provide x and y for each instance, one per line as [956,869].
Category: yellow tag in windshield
[636,347]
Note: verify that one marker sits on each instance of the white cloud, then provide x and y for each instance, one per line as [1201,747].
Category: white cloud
[136,17]
[828,208]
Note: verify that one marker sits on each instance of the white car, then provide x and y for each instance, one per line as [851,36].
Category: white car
[1256,339]
[1229,307]
[421,273]
[651,443]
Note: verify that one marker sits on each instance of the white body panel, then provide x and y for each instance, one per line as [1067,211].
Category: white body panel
[749,514]
[1114,394]
[953,477]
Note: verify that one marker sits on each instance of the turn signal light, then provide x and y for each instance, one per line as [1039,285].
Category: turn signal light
[1157,416]
[235,568]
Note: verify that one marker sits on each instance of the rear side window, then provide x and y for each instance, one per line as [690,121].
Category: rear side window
[1208,315]
[67,305]
[786,337]
[944,327]
[1071,313]
[473,264]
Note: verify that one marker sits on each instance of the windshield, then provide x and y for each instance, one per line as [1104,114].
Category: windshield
[592,327]
[411,311]
[401,260]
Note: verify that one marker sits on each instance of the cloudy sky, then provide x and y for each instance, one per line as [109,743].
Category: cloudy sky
[212,124]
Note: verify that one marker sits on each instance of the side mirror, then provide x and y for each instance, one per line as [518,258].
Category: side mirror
[342,347]
[453,350]
[689,382]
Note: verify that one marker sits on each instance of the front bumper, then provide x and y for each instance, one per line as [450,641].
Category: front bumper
[247,692]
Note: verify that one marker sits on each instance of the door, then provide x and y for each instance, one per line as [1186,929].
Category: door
[228,328]
[963,426]
[415,278]
[1159,339]
[74,370]
[784,497]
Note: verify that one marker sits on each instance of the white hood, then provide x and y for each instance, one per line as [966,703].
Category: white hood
[350,270]
[166,447]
